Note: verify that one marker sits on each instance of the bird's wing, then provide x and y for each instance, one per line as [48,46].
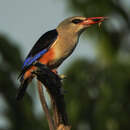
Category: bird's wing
[39,49]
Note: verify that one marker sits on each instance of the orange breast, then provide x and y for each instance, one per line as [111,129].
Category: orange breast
[47,57]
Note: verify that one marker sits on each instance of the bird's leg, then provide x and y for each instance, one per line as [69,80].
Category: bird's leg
[62,76]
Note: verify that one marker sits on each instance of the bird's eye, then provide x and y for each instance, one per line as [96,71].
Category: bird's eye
[76,21]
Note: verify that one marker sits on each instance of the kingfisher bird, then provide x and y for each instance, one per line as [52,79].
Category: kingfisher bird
[54,47]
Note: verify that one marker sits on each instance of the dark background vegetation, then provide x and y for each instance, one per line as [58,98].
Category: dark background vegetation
[97,95]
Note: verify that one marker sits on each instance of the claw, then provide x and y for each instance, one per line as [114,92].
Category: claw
[62,76]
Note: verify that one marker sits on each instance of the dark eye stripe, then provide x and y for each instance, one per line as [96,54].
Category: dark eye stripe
[76,21]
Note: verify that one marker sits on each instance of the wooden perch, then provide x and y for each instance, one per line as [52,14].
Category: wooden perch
[44,106]
[53,84]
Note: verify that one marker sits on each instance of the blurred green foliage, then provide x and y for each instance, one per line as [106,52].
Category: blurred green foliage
[98,98]
[97,95]
[98,91]
[19,114]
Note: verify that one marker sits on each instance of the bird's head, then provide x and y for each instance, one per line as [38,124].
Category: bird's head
[77,24]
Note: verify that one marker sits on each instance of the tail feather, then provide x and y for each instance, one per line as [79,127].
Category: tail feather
[22,89]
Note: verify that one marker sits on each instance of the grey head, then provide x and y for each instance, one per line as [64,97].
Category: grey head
[77,24]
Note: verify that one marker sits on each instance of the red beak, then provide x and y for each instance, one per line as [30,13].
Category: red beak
[93,20]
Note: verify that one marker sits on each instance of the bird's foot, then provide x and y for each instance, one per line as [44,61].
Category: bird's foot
[62,76]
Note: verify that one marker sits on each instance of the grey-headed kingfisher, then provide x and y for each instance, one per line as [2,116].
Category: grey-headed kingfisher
[54,47]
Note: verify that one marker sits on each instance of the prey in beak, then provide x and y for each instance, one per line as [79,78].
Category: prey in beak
[94,20]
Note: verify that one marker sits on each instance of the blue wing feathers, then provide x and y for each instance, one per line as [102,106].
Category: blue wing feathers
[30,60]
[39,49]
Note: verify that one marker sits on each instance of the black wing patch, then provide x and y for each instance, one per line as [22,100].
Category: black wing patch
[41,46]
[44,42]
